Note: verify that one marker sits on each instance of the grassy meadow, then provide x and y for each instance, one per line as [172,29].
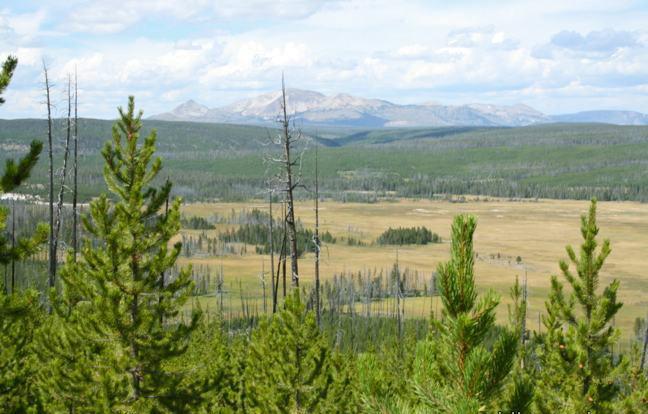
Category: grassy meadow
[537,231]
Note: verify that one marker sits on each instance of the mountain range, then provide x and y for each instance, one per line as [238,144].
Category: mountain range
[314,108]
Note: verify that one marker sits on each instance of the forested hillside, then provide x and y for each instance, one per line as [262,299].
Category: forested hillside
[219,161]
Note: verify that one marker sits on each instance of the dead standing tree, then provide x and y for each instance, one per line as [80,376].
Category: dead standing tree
[645,347]
[397,283]
[52,252]
[288,140]
[272,184]
[284,247]
[272,261]
[63,174]
[75,166]
[317,243]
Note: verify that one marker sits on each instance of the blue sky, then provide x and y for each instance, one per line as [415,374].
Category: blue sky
[557,56]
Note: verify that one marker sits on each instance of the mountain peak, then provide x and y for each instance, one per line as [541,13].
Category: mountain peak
[345,100]
[190,109]
[343,109]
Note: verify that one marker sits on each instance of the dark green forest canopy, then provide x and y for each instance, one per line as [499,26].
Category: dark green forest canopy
[408,235]
[220,161]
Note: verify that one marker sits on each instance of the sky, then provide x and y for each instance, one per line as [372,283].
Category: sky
[556,56]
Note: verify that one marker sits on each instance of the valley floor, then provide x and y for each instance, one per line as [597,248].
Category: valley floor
[536,231]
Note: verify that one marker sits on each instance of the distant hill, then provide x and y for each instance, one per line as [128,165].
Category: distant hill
[605,117]
[312,108]
[228,162]
[173,137]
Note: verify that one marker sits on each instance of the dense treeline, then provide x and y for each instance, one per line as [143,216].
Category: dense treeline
[259,235]
[408,235]
[113,336]
[196,223]
[226,161]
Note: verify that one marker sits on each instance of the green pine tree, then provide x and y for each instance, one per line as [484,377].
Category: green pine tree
[578,371]
[116,290]
[8,68]
[634,385]
[14,175]
[216,363]
[383,378]
[466,376]
[75,372]
[517,310]
[20,317]
[519,393]
[291,368]
[20,311]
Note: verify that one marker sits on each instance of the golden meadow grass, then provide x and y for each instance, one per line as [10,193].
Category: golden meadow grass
[537,231]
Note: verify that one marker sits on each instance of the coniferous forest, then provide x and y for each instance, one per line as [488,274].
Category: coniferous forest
[103,326]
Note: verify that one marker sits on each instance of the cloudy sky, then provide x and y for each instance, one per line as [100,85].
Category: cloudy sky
[555,55]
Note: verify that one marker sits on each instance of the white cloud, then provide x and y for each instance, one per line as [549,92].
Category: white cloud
[219,51]
[113,16]
[22,102]
[20,29]
[101,18]
[250,60]
[27,25]
[6,31]
[605,41]
[30,56]
[415,50]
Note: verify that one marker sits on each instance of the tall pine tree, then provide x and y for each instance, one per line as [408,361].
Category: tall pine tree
[20,311]
[116,282]
[579,373]
[466,375]
[14,175]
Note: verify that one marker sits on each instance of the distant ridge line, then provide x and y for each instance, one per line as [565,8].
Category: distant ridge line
[314,108]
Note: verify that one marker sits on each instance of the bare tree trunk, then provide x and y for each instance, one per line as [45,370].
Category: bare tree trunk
[398,300]
[523,317]
[13,245]
[242,301]
[316,239]
[272,267]
[221,285]
[52,251]
[523,311]
[283,251]
[59,207]
[166,213]
[645,347]
[290,217]
[276,287]
[283,264]
[75,188]
[263,283]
